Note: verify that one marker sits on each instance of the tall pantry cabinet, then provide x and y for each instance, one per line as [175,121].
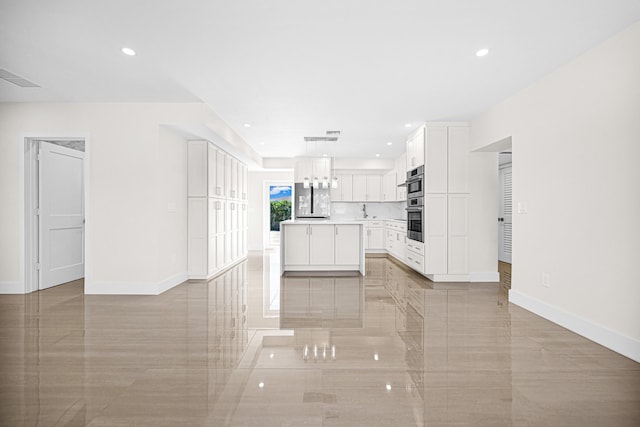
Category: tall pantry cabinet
[217,209]
[446,199]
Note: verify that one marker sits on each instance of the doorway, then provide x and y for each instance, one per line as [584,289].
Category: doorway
[280,204]
[505,225]
[55,194]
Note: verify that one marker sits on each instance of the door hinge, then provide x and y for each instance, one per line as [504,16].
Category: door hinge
[36,211]
[37,266]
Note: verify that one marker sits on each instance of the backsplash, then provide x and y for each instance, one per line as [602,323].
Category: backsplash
[350,210]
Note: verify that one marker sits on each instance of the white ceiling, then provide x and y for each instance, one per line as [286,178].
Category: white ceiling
[295,68]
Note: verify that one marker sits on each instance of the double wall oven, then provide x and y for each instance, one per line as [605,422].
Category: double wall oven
[415,203]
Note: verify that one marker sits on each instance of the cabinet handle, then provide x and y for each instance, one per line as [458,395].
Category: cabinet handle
[218,191]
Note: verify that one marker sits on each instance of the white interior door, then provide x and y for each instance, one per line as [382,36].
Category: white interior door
[61,202]
[505,227]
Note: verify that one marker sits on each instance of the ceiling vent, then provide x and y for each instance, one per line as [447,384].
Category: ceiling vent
[16,80]
[332,136]
[320,138]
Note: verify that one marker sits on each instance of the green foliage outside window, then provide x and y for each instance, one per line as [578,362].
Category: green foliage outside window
[280,211]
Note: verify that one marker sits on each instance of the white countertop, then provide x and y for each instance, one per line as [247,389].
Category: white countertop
[340,221]
[322,221]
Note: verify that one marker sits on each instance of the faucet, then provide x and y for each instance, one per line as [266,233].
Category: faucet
[364,211]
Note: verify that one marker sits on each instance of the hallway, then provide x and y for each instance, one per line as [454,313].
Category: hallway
[250,349]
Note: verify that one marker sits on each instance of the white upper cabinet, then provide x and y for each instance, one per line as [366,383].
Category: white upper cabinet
[312,168]
[359,187]
[435,173]
[401,177]
[458,159]
[197,168]
[227,176]
[389,187]
[367,188]
[344,191]
[220,175]
[415,149]
[234,179]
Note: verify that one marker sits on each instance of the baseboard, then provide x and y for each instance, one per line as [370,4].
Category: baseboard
[622,344]
[484,276]
[447,277]
[11,288]
[133,288]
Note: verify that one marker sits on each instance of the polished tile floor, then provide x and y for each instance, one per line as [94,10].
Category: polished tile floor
[250,349]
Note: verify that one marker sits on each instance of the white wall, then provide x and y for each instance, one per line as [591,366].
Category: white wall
[136,170]
[256,207]
[576,147]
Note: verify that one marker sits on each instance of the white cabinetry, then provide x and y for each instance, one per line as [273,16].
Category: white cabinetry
[312,168]
[374,237]
[321,244]
[309,247]
[401,177]
[396,239]
[446,198]
[347,244]
[367,188]
[389,187]
[344,191]
[296,244]
[216,227]
[415,149]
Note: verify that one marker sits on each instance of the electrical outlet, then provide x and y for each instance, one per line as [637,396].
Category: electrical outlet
[546,280]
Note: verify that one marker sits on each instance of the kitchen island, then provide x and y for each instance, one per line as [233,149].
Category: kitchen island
[322,245]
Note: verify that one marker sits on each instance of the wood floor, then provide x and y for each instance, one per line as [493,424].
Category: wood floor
[253,349]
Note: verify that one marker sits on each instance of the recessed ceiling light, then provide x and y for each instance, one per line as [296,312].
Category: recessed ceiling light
[407,125]
[262,143]
[482,52]
[128,51]
[377,155]
[247,125]
[324,155]
[388,387]
[389,143]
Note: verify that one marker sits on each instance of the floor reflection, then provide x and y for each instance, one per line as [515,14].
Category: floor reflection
[253,348]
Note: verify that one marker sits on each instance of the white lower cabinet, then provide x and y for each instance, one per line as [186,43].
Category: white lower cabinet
[296,245]
[347,244]
[321,244]
[374,237]
[308,247]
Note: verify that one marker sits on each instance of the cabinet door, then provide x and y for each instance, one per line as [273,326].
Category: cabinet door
[458,234]
[336,193]
[375,238]
[435,233]
[234,179]
[197,168]
[220,175]
[347,244]
[227,176]
[296,244]
[458,159]
[321,244]
[303,169]
[374,188]
[211,169]
[435,171]
[401,176]
[245,183]
[389,187]
[197,232]
[347,187]
[359,188]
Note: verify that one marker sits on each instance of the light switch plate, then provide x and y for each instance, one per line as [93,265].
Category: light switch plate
[522,207]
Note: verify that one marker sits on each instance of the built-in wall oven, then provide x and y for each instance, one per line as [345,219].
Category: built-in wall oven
[415,203]
[415,182]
